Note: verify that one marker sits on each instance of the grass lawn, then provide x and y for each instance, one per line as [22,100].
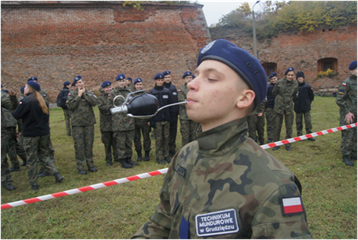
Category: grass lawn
[329,188]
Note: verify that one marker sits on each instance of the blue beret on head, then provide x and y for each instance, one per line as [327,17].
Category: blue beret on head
[274,74]
[241,61]
[66,83]
[353,65]
[129,78]
[22,89]
[32,79]
[289,70]
[166,73]
[300,74]
[5,91]
[78,77]
[137,80]
[187,73]
[158,76]
[34,85]
[120,76]
[106,84]
[2,85]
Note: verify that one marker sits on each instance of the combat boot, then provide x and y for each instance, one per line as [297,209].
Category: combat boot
[146,156]
[139,154]
[43,174]
[347,161]
[275,148]
[269,140]
[35,188]
[124,163]
[9,187]
[172,153]
[92,169]
[58,177]
[311,139]
[23,164]
[288,148]
[353,158]
[82,172]
[129,161]
[160,161]
[167,159]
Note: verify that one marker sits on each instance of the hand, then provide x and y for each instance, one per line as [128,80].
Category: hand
[349,118]
[81,91]
[12,92]
[148,124]
[259,114]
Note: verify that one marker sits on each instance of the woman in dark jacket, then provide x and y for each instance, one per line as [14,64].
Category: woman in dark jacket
[36,132]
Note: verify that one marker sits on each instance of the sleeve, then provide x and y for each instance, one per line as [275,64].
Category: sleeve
[181,96]
[73,101]
[261,107]
[341,97]
[310,94]
[294,93]
[21,110]
[90,97]
[276,89]
[103,106]
[7,102]
[14,102]
[19,125]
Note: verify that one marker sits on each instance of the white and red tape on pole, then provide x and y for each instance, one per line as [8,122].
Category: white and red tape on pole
[157,172]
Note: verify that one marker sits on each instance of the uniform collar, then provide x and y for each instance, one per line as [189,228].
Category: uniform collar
[158,88]
[167,85]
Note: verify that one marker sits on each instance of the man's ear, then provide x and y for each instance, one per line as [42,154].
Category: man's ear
[245,99]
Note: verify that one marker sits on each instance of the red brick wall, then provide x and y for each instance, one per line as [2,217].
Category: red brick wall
[57,41]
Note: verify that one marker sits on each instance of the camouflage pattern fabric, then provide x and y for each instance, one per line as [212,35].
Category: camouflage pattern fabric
[188,130]
[45,96]
[109,144]
[299,122]
[225,181]
[124,141]
[15,148]
[173,128]
[347,101]
[83,138]
[120,121]
[5,172]
[141,125]
[67,114]
[257,124]
[131,88]
[270,116]
[36,148]
[278,125]
[161,133]
[182,93]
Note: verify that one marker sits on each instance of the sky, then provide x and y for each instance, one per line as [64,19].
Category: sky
[214,9]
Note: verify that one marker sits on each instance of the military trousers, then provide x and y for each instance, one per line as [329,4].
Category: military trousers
[15,148]
[299,122]
[110,145]
[5,172]
[161,133]
[349,139]
[270,117]
[37,148]
[289,115]
[83,138]
[142,127]
[256,124]
[188,130]
[124,140]
[173,134]
[67,114]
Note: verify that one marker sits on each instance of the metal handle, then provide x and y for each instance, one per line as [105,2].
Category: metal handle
[149,116]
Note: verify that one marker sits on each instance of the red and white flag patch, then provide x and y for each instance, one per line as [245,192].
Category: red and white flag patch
[344,84]
[292,205]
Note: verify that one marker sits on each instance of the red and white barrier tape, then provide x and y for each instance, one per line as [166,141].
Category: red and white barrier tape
[157,172]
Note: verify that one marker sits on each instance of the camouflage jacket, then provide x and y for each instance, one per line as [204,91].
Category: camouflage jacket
[286,93]
[224,185]
[260,108]
[105,115]
[131,88]
[45,96]
[82,108]
[7,104]
[182,93]
[120,121]
[347,96]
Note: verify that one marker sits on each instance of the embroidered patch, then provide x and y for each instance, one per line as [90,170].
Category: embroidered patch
[344,84]
[216,223]
[165,96]
[180,170]
[174,93]
[207,47]
[179,90]
[20,103]
[291,205]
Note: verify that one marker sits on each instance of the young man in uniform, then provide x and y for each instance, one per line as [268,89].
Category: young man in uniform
[303,105]
[174,118]
[347,101]
[270,114]
[81,102]
[224,185]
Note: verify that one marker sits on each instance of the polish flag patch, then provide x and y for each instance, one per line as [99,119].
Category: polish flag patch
[292,205]
[343,84]
[20,103]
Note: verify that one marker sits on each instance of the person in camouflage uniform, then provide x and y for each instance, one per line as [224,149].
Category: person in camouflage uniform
[81,102]
[122,125]
[347,101]
[130,86]
[104,104]
[269,112]
[223,185]
[141,125]
[256,123]
[285,90]
[67,113]
[187,127]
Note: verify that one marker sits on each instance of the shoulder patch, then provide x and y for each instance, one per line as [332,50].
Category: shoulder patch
[69,94]
[179,90]
[20,103]
[291,205]
[344,84]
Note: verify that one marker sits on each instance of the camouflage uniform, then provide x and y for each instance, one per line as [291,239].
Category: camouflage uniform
[286,93]
[67,113]
[347,102]
[131,87]
[20,140]
[224,185]
[83,120]
[188,127]
[270,113]
[257,123]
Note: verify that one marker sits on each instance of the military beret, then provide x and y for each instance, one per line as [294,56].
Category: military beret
[274,74]
[78,77]
[22,89]
[32,79]
[187,73]
[158,76]
[5,91]
[137,80]
[106,84]
[289,70]
[34,85]
[2,85]
[66,83]
[120,76]
[166,73]
[300,74]
[353,65]
[241,61]
[130,79]
[73,84]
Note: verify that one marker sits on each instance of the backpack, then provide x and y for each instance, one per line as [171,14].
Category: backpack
[61,101]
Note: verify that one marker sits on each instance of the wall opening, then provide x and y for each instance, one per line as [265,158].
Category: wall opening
[269,68]
[327,63]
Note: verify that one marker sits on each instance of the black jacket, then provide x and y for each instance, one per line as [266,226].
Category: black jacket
[270,97]
[174,93]
[34,121]
[164,97]
[65,91]
[304,98]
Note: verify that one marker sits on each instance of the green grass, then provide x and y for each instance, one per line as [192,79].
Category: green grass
[329,188]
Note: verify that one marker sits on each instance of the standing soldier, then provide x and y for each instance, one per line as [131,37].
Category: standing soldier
[269,112]
[174,117]
[256,122]
[104,104]
[141,125]
[19,124]
[122,125]
[130,85]
[285,91]
[81,102]
[347,102]
[61,102]
[303,105]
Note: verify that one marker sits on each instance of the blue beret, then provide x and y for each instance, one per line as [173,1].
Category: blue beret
[22,89]
[166,73]
[32,79]
[289,70]
[78,77]
[274,74]
[66,83]
[34,85]
[137,80]
[300,74]
[129,78]
[241,61]
[120,76]
[2,85]
[5,91]
[187,73]
[106,84]
[353,65]
[158,76]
